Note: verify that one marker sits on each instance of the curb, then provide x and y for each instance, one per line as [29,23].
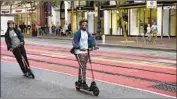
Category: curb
[111,45]
[134,47]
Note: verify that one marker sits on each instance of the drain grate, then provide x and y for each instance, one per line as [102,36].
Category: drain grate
[166,87]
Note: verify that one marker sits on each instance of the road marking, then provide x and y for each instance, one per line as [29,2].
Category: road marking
[167,61]
[60,54]
[101,81]
[54,56]
[139,64]
[6,57]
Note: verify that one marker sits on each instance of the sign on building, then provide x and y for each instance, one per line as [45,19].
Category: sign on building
[170,7]
[5,11]
[151,4]
[96,11]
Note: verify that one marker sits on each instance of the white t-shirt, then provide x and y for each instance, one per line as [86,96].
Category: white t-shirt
[148,29]
[154,27]
[83,42]
[14,39]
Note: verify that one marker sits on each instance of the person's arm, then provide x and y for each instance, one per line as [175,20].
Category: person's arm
[91,41]
[8,43]
[157,28]
[21,37]
[76,40]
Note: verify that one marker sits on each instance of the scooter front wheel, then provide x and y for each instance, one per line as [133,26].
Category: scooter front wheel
[96,91]
[31,73]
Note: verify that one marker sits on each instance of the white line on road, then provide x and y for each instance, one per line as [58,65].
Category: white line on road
[6,57]
[103,81]
[51,55]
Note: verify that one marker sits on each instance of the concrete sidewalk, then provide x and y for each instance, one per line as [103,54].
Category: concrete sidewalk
[166,44]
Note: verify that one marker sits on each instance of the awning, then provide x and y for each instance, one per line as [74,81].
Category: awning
[137,5]
[82,9]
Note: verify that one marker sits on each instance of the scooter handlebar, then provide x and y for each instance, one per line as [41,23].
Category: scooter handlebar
[94,48]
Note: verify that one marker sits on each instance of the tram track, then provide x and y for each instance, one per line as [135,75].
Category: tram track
[99,71]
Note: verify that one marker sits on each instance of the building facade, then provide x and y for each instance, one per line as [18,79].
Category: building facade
[21,13]
[135,15]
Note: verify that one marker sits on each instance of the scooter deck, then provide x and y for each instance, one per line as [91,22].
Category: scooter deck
[27,66]
[83,88]
[87,89]
[92,88]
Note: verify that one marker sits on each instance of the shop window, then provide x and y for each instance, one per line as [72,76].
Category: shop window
[106,3]
[89,3]
[130,1]
[82,3]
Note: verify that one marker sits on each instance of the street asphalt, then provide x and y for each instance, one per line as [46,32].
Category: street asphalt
[48,84]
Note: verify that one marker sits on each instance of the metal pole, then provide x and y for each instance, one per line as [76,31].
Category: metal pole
[144,26]
[111,23]
[162,25]
[72,6]
[0,19]
[98,22]
[169,29]
[176,20]
[150,17]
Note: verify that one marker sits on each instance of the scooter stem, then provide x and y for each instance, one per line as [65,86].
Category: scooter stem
[93,78]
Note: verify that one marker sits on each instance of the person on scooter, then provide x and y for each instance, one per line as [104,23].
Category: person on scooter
[15,42]
[82,41]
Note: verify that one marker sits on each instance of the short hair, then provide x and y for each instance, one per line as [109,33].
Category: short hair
[83,20]
[10,21]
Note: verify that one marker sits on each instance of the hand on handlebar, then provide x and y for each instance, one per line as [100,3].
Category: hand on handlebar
[11,49]
[94,48]
[21,43]
[83,49]
[90,49]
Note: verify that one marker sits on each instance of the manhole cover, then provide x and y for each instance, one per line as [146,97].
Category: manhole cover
[166,87]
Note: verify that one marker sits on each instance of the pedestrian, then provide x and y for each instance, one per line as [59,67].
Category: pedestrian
[65,29]
[15,42]
[145,29]
[54,29]
[22,27]
[34,29]
[82,41]
[57,28]
[17,27]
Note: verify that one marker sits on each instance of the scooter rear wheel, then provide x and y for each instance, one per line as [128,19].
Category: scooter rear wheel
[76,85]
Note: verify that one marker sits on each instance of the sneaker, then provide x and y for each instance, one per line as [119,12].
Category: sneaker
[79,82]
[85,86]
[26,74]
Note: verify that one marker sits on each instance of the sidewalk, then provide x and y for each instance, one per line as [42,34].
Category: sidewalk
[133,42]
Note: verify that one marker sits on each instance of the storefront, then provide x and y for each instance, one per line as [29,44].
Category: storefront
[136,16]
[139,16]
[72,18]
[112,21]
[81,13]
[22,14]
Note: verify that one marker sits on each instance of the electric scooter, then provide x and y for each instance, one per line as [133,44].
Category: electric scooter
[93,87]
[26,66]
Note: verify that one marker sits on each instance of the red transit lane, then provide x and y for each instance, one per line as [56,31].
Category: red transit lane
[65,62]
